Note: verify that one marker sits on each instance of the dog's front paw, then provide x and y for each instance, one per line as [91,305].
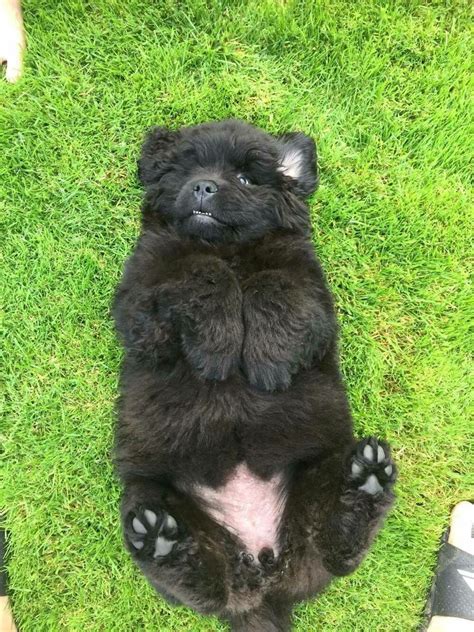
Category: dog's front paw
[150,533]
[372,469]
[270,376]
[212,330]
[210,366]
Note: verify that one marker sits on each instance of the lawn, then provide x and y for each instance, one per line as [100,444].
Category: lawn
[384,89]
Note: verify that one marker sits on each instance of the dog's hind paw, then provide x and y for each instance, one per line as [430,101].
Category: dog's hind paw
[372,469]
[150,533]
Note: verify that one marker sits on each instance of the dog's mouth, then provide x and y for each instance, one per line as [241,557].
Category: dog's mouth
[205,216]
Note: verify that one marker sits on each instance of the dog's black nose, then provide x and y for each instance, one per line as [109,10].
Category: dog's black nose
[204,189]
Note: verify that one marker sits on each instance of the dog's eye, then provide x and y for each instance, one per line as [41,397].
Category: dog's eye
[243,179]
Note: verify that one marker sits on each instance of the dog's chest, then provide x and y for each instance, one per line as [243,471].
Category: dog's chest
[248,507]
[240,262]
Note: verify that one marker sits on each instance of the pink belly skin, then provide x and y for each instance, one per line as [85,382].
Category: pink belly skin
[248,507]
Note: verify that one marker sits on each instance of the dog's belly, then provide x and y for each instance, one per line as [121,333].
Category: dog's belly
[248,507]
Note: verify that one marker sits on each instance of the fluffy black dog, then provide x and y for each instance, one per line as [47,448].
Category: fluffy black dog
[244,488]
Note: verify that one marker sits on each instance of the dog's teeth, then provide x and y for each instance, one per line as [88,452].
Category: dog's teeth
[202,213]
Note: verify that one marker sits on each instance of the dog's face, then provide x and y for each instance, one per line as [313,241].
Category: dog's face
[227,181]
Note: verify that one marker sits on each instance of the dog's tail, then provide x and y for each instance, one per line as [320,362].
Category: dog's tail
[273,615]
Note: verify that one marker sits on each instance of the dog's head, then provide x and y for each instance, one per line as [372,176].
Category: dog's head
[227,181]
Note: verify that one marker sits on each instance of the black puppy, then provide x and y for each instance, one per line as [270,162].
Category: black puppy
[244,488]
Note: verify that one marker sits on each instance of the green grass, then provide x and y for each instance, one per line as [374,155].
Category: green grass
[384,88]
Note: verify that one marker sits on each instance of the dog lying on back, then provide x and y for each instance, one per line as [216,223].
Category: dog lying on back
[245,490]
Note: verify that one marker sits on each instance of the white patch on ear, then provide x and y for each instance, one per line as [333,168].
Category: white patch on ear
[291,163]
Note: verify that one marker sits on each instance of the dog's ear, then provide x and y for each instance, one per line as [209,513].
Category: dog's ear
[155,154]
[299,161]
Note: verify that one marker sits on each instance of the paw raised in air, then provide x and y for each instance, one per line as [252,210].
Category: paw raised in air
[372,469]
[151,533]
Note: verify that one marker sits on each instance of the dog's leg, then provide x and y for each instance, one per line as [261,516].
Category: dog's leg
[172,542]
[273,615]
[364,499]
[288,322]
[198,314]
[210,316]
[343,502]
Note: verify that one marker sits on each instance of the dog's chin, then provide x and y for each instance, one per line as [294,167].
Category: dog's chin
[204,226]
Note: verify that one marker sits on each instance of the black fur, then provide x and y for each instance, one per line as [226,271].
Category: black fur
[231,357]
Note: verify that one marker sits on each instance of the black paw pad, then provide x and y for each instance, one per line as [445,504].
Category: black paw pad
[151,532]
[372,469]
